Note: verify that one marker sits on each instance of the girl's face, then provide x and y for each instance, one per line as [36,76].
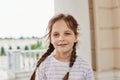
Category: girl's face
[62,37]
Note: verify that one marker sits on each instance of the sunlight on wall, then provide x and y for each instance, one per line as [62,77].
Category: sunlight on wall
[25,18]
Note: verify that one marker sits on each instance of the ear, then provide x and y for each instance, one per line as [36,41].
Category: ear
[76,38]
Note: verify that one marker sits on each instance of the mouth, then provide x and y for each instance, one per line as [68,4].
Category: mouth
[62,45]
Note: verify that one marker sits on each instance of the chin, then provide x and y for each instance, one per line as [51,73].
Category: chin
[63,51]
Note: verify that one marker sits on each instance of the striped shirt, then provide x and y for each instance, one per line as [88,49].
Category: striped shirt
[53,69]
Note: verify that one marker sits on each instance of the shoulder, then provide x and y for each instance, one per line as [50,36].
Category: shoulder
[83,63]
[46,62]
[85,68]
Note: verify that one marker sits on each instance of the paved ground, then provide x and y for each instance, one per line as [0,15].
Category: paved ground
[3,73]
[3,66]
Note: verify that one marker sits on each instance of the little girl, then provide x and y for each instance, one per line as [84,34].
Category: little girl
[64,64]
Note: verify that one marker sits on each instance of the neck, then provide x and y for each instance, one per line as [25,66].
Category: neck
[63,56]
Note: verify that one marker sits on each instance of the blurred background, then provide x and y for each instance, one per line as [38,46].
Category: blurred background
[23,24]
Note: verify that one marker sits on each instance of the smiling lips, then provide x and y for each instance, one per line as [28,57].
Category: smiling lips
[62,45]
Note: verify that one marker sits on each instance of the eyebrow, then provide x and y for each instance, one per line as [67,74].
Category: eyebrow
[65,31]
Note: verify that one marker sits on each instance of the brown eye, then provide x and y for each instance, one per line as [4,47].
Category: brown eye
[55,35]
[67,33]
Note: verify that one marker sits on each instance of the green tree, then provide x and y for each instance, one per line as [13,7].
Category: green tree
[10,47]
[2,51]
[26,47]
[18,47]
[21,37]
[33,46]
[39,44]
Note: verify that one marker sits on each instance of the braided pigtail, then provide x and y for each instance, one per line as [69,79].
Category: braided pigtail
[44,56]
[72,60]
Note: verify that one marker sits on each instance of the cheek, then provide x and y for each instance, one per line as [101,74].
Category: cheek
[54,43]
[52,40]
[73,39]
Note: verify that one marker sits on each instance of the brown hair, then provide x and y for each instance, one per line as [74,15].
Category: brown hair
[73,25]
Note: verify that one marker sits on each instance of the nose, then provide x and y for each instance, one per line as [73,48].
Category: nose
[61,37]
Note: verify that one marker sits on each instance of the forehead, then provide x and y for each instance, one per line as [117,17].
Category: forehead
[60,25]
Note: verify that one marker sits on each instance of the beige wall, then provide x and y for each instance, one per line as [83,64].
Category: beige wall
[116,29]
[105,36]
